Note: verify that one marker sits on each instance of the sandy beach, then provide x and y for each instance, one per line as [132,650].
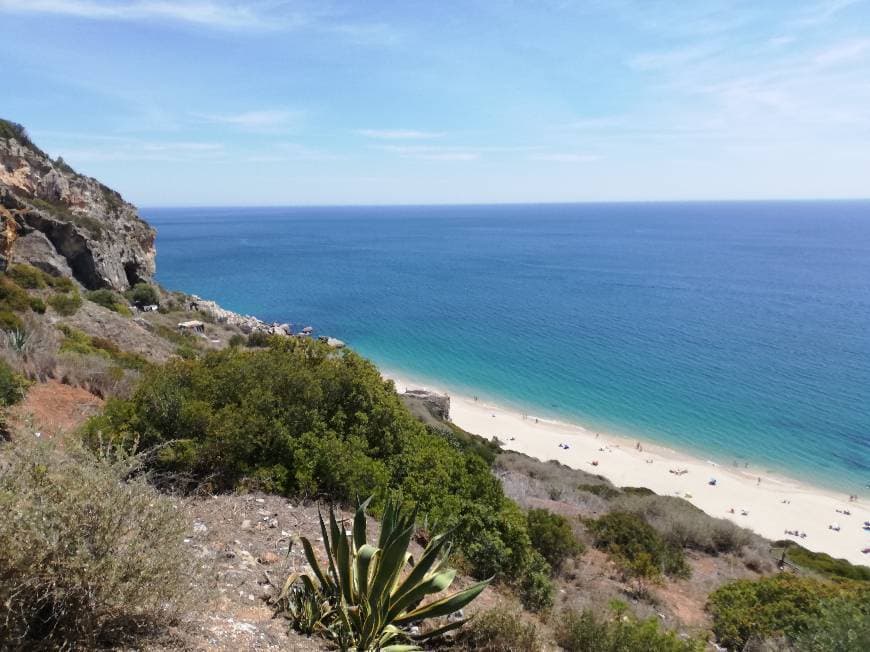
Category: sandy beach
[769,506]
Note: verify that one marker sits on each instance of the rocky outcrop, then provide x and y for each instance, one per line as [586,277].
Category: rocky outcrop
[66,223]
[438,405]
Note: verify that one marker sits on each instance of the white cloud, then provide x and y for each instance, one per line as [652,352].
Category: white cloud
[198,12]
[131,149]
[400,134]
[670,58]
[262,120]
[433,153]
[823,11]
[183,147]
[285,152]
[564,158]
[598,123]
[842,52]
[781,41]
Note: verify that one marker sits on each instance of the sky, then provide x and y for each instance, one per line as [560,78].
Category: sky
[274,102]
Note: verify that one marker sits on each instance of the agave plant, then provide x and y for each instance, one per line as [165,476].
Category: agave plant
[368,597]
[17,340]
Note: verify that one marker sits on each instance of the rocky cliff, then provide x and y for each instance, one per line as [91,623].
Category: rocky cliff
[65,223]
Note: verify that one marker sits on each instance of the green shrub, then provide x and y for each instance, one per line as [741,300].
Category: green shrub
[841,624]
[9,321]
[683,525]
[299,418]
[237,340]
[12,297]
[552,536]
[110,300]
[637,546]
[88,554]
[536,587]
[37,305]
[143,294]
[187,351]
[258,339]
[499,630]
[66,304]
[637,491]
[605,491]
[27,276]
[826,565]
[13,387]
[76,341]
[61,283]
[585,632]
[780,605]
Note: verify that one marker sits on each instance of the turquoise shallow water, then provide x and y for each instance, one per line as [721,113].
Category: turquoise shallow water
[739,331]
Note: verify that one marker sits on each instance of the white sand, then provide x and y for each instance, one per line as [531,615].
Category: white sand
[809,509]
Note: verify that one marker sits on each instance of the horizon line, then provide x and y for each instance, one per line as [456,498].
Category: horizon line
[509,203]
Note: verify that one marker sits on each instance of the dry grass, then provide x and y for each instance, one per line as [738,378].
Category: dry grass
[89,552]
[32,352]
[499,630]
[99,375]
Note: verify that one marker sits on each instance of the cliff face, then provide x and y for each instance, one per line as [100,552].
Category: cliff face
[65,223]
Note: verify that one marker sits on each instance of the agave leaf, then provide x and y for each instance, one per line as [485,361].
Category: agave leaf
[364,557]
[315,565]
[342,562]
[359,524]
[444,606]
[427,561]
[401,647]
[334,530]
[434,584]
[390,563]
[291,580]
[388,523]
[327,544]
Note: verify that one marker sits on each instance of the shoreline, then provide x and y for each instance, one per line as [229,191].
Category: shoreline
[760,494]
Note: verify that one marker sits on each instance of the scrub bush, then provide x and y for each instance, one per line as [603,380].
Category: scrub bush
[586,632]
[66,304]
[499,630]
[552,536]
[298,418]
[786,606]
[637,547]
[88,554]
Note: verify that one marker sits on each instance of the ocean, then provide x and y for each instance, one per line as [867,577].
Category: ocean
[737,331]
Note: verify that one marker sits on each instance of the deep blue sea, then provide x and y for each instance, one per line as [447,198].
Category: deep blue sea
[738,331]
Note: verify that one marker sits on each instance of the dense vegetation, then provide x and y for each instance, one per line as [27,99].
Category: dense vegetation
[642,553]
[110,300]
[586,632]
[798,609]
[825,565]
[298,418]
[552,536]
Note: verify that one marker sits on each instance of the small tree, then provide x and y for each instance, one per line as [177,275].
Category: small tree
[144,294]
[552,536]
